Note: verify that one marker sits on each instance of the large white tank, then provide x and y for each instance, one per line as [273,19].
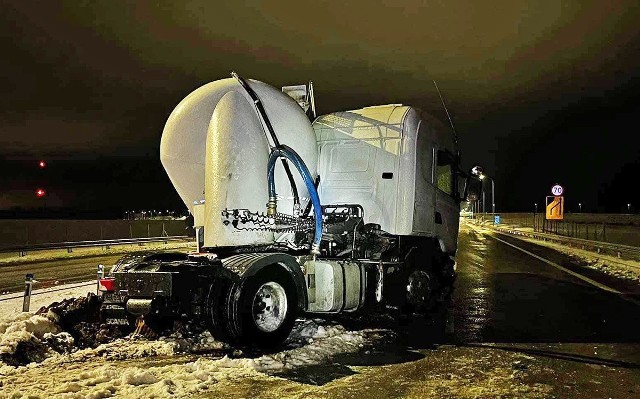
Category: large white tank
[214,149]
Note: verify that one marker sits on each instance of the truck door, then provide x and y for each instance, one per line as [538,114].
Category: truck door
[447,209]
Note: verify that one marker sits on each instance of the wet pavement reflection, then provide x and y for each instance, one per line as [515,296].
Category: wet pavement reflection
[504,296]
[506,299]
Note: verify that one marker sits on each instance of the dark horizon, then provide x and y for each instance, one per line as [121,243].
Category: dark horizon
[540,94]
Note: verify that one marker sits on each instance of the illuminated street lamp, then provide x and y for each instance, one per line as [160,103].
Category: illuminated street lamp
[482,176]
[629,208]
[477,170]
[579,206]
[535,207]
[42,164]
[40,193]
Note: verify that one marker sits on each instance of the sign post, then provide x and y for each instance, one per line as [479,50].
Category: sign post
[100,276]
[28,286]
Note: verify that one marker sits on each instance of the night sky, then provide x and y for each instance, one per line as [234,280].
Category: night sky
[540,93]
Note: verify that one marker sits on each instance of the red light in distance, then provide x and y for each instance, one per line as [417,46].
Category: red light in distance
[40,193]
[42,164]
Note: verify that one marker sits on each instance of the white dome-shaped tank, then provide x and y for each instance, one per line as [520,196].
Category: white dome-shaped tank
[220,118]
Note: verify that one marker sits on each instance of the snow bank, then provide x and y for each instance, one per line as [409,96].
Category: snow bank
[25,336]
[170,366]
[312,342]
[11,304]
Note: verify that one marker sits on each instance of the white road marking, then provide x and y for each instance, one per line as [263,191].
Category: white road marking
[564,269]
[571,272]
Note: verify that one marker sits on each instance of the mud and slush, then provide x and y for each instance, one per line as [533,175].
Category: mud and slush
[63,351]
[61,327]
[108,360]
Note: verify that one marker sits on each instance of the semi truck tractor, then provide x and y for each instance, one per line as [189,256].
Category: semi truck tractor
[296,214]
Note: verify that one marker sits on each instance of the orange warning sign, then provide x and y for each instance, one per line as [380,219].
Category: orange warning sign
[555,208]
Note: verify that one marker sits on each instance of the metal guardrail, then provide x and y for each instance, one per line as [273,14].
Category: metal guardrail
[617,250]
[69,245]
[9,297]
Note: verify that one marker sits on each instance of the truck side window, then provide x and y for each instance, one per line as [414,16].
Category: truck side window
[444,172]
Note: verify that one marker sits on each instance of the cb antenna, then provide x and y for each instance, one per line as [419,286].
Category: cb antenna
[455,134]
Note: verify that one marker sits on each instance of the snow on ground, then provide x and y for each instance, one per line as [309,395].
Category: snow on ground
[38,332]
[11,304]
[25,327]
[117,372]
[183,365]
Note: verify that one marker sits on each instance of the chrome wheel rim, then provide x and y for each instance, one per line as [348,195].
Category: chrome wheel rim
[269,306]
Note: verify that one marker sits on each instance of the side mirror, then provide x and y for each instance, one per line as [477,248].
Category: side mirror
[472,188]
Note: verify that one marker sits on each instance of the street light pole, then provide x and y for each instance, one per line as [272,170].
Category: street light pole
[493,194]
[493,197]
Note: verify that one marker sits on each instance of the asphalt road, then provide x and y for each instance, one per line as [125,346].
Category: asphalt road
[505,295]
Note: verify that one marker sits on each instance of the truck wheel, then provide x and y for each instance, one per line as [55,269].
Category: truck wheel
[448,273]
[257,313]
[267,308]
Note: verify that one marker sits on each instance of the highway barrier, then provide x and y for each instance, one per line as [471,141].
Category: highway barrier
[70,245]
[623,229]
[606,248]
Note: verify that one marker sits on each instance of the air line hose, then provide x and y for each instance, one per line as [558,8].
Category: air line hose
[291,155]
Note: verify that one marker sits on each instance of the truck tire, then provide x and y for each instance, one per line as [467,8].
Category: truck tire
[258,312]
[430,275]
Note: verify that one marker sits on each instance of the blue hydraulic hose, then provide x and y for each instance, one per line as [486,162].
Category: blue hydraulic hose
[292,156]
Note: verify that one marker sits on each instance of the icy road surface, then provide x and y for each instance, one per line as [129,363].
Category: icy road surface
[515,327]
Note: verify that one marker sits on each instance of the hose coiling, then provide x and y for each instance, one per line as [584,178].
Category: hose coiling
[292,156]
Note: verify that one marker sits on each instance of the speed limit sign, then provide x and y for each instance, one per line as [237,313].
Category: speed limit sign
[557,190]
